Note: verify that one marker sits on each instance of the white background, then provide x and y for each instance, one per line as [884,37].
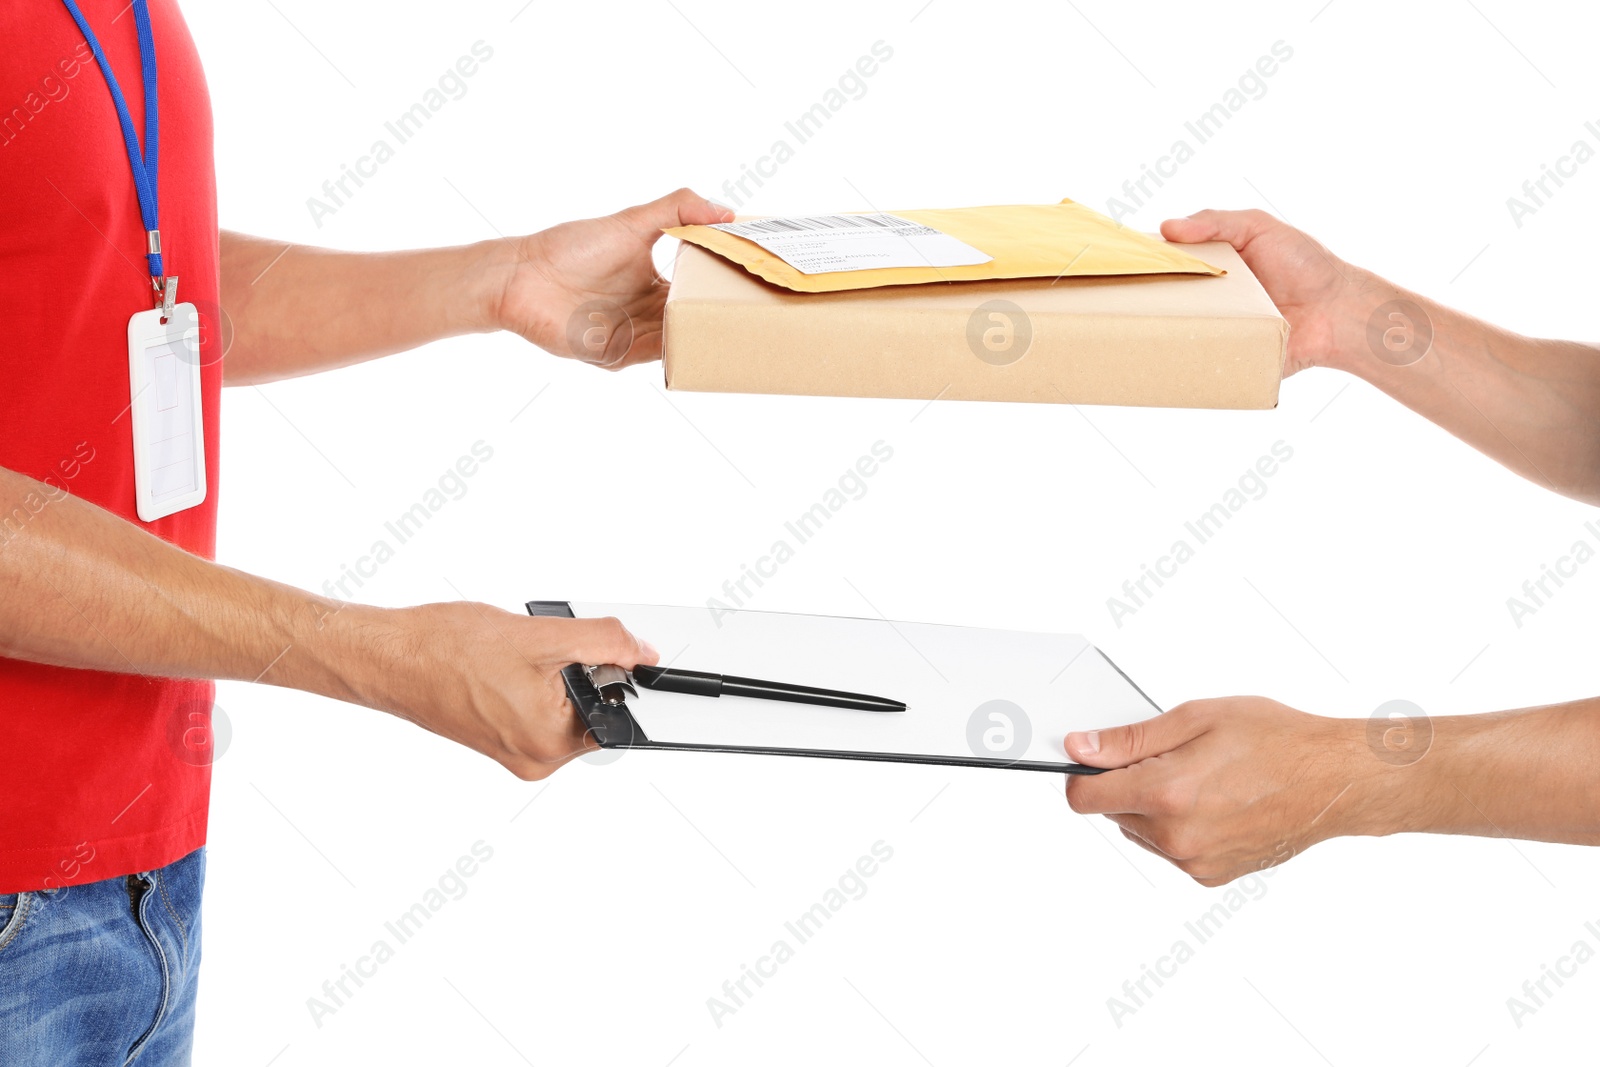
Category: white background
[620,897]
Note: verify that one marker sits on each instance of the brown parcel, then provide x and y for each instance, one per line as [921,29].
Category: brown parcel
[1150,340]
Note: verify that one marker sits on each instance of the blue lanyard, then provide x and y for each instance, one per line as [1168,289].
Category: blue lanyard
[143,163]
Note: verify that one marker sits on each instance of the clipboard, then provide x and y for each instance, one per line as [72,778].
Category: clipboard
[975,697]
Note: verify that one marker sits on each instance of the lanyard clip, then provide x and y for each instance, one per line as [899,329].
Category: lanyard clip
[166,290]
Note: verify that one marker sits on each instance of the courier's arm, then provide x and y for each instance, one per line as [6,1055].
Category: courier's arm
[1531,404]
[297,310]
[80,587]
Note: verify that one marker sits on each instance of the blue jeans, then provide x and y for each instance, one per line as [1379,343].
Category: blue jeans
[102,974]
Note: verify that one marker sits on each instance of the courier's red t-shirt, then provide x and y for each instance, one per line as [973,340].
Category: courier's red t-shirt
[100,774]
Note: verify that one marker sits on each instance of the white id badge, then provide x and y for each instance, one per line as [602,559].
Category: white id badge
[169,450]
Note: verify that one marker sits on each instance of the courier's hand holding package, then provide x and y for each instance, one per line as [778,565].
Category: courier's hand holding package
[1035,302]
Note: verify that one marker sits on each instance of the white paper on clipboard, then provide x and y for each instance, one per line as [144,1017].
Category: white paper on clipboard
[992,694]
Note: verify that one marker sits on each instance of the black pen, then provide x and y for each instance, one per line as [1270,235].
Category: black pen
[615,684]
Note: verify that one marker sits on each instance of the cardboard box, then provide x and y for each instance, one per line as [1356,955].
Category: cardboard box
[1149,340]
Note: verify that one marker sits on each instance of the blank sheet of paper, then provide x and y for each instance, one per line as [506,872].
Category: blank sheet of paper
[969,692]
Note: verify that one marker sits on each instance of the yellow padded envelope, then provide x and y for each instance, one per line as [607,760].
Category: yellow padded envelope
[1065,240]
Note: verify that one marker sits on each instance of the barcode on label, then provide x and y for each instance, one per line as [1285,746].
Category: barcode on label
[819,222]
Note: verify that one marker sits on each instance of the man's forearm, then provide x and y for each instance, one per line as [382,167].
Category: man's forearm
[1532,405]
[82,588]
[1518,774]
[298,310]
